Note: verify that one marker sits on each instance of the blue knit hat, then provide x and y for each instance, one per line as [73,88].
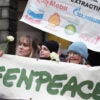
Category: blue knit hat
[80,48]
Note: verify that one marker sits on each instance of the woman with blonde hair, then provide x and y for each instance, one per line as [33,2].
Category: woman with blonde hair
[26,46]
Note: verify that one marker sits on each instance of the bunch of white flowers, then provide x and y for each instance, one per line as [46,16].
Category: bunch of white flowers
[10,38]
[54,56]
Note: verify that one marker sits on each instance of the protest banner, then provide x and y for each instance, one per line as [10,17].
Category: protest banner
[73,20]
[32,79]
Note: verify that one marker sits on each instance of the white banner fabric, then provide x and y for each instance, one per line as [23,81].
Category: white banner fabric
[32,79]
[73,20]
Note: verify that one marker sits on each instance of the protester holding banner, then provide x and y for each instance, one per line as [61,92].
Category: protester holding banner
[77,53]
[47,48]
[26,46]
[1,53]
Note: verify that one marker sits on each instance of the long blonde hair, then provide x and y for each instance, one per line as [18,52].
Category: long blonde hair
[31,43]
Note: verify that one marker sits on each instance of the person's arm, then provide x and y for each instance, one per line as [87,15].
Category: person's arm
[1,53]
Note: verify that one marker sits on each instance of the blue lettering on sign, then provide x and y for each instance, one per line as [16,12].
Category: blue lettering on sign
[36,15]
[77,12]
[35,12]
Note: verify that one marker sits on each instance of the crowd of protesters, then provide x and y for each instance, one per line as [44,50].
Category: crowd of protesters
[77,52]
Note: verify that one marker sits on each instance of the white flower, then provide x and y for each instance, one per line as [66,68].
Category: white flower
[54,56]
[10,38]
[5,47]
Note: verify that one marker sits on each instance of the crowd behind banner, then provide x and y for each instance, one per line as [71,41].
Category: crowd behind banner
[41,70]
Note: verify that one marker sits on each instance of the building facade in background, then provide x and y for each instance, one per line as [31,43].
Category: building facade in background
[8,22]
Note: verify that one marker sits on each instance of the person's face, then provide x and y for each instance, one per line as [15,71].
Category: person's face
[24,47]
[44,52]
[74,57]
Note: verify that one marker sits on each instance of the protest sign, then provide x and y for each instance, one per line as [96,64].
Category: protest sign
[25,78]
[73,20]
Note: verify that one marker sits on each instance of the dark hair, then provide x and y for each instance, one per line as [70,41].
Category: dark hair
[52,45]
[35,45]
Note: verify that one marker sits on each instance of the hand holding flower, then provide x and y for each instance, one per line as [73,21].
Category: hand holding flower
[54,56]
[9,39]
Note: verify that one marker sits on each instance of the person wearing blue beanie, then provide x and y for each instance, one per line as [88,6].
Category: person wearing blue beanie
[77,53]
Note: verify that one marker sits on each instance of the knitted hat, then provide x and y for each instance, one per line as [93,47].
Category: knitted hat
[52,45]
[80,48]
